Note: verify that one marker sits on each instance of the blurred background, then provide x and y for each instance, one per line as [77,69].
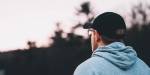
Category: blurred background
[45,37]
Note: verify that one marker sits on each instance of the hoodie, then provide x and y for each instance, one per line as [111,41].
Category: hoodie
[113,59]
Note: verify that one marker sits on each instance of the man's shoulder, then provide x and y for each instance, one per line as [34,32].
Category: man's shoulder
[92,63]
[94,60]
[90,66]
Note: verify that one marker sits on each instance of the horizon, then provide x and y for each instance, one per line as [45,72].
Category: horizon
[35,20]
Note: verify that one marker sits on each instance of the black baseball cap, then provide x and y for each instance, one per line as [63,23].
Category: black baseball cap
[109,24]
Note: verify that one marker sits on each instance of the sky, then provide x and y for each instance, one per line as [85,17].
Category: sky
[35,20]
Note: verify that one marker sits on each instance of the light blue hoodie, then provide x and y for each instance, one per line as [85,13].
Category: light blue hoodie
[113,59]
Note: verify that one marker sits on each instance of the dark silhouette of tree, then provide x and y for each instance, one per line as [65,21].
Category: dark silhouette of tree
[60,58]
[64,54]
[58,39]
[85,9]
[138,35]
[31,44]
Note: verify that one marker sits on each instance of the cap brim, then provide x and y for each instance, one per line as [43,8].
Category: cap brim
[88,25]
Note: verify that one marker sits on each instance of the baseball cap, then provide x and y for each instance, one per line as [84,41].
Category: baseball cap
[109,24]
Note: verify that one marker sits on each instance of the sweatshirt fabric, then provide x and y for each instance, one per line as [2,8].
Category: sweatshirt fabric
[113,59]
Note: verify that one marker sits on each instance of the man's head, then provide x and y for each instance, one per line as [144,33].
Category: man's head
[106,28]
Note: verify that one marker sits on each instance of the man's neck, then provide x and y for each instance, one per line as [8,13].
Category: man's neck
[101,44]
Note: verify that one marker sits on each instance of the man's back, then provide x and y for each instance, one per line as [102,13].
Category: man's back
[114,59]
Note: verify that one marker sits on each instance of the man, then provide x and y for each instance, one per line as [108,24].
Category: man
[110,55]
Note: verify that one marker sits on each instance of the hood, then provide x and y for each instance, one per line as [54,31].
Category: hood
[118,54]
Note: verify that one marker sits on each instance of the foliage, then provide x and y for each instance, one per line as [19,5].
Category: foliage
[62,57]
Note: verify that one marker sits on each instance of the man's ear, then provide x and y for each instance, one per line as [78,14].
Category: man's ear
[98,36]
